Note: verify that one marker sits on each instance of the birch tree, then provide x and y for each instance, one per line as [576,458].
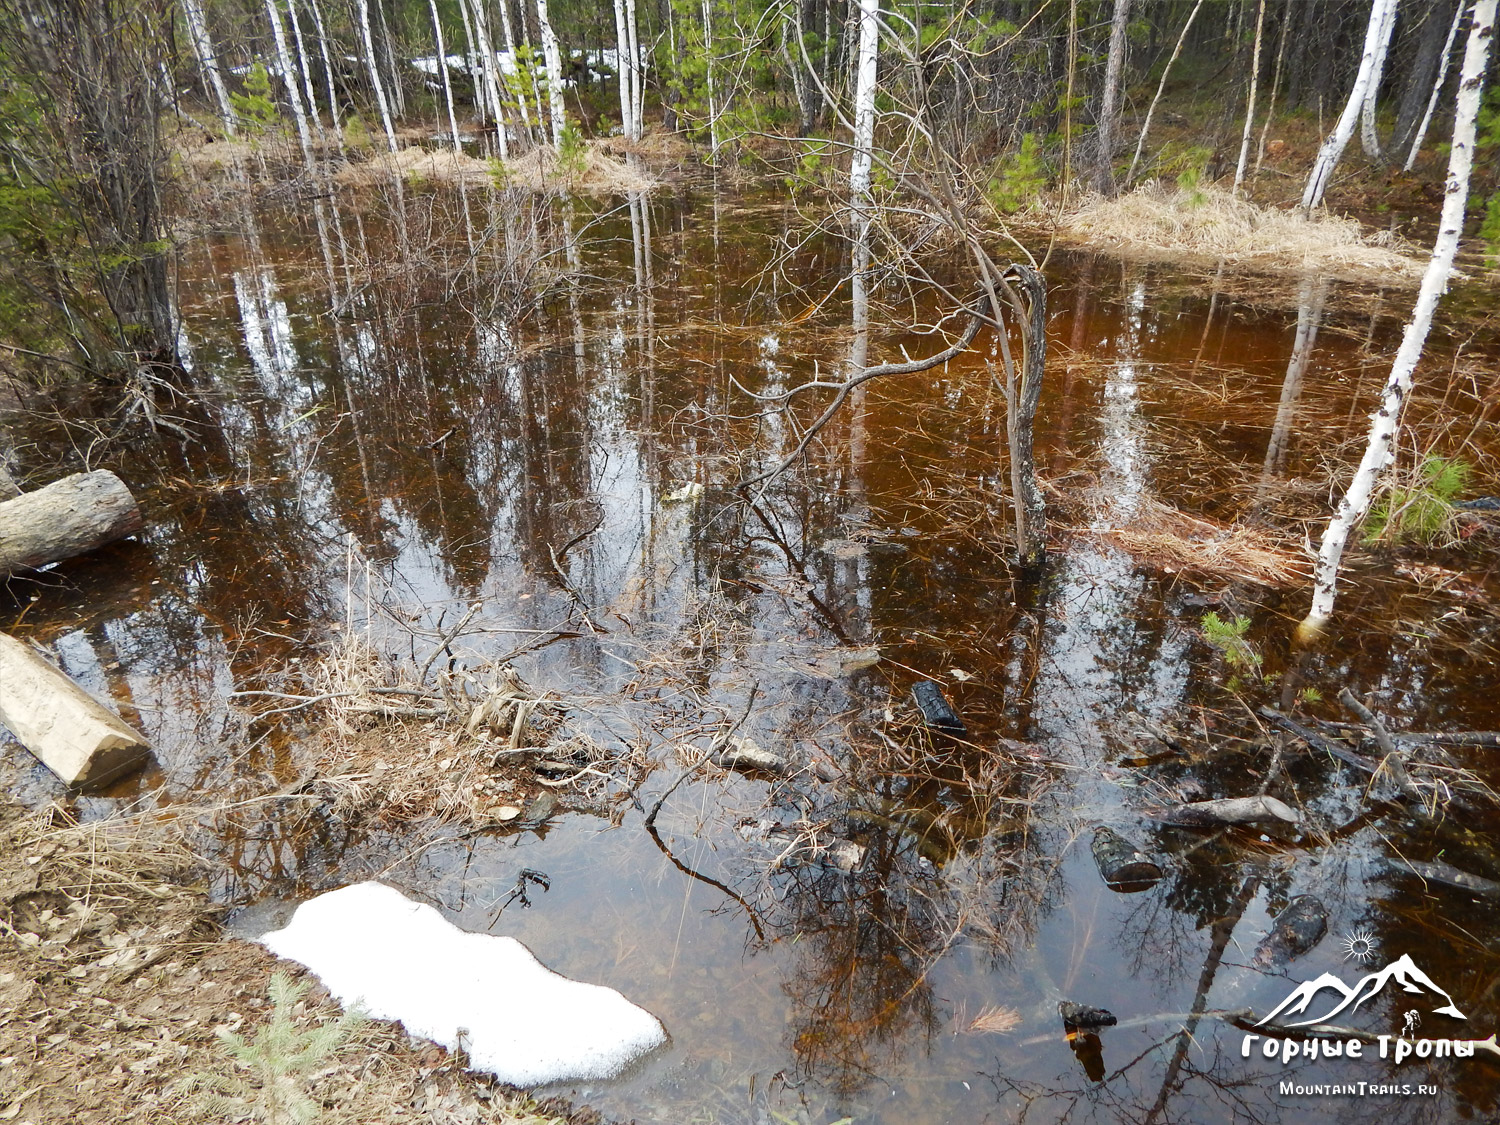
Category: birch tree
[553,60]
[488,78]
[1239,169]
[637,72]
[374,67]
[1376,36]
[1367,136]
[208,62]
[289,80]
[1109,108]
[1385,423]
[442,57]
[333,99]
[623,68]
[304,68]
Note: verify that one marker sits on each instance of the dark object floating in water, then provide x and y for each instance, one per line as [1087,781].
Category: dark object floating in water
[1122,866]
[1082,1017]
[1294,931]
[937,712]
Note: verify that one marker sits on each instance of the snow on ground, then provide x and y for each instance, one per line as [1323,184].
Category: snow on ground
[401,960]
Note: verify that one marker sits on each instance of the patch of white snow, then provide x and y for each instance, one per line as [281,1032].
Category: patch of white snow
[396,959]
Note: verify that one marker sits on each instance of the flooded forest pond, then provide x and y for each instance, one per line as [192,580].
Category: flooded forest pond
[390,428]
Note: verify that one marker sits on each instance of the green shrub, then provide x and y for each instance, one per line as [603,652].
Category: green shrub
[1422,512]
[1242,657]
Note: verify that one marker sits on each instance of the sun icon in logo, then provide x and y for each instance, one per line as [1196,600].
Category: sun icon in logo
[1359,945]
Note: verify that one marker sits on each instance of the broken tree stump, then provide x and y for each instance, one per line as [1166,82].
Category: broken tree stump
[73,516]
[74,735]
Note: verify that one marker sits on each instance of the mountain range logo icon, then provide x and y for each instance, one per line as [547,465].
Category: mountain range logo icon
[1402,972]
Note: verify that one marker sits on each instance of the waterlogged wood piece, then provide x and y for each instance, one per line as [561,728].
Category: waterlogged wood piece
[1121,864]
[936,710]
[1230,810]
[74,735]
[1083,1016]
[69,517]
[1446,873]
[1294,931]
[744,754]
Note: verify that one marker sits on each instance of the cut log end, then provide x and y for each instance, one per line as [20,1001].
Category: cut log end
[74,735]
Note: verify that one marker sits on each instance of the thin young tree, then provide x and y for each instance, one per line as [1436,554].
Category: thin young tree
[489,77]
[333,99]
[624,69]
[304,69]
[1140,144]
[1437,87]
[1380,450]
[1376,34]
[442,60]
[1239,168]
[637,71]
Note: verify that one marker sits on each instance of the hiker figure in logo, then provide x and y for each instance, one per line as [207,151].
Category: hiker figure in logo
[1413,1020]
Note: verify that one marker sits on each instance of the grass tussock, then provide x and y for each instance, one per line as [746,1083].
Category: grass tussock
[1168,539]
[588,169]
[1210,224]
[419,165]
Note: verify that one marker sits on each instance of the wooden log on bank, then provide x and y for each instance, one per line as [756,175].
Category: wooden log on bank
[75,736]
[73,516]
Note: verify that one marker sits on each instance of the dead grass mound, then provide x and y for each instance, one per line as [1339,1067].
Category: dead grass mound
[1211,225]
[442,166]
[1164,537]
[593,172]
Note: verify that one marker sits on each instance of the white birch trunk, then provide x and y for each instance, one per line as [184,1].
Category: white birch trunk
[1387,420]
[208,62]
[1368,138]
[1104,178]
[490,77]
[515,58]
[1160,86]
[866,70]
[553,60]
[442,52]
[289,80]
[305,68]
[637,72]
[333,98]
[471,55]
[708,72]
[1333,148]
[374,67]
[623,69]
[1239,169]
[1437,88]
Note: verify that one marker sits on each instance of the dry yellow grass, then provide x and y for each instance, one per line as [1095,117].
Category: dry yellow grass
[596,172]
[1211,225]
[442,166]
[1164,537]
